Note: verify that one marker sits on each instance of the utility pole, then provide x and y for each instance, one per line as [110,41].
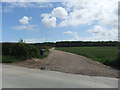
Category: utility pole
[46,39]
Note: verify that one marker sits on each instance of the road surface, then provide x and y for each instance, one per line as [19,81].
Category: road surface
[21,77]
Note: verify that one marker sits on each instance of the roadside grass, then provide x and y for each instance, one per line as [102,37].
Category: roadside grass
[105,55]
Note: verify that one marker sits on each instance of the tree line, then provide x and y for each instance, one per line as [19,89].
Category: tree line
[79,43]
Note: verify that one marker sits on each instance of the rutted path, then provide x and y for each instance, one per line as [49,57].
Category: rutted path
[70,63]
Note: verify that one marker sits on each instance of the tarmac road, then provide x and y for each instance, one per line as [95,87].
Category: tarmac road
[21,77]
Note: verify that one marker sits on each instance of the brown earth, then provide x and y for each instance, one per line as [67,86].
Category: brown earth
[69,63]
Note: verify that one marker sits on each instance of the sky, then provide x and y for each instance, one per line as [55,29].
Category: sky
[71,20]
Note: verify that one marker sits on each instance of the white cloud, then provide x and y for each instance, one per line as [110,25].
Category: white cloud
[25,20]
[86,12]
[0,7]
[73,34]
[44,5]
[11,5]
[34,40]
[25,24]
[25,27]
[29,0]
[59,12]
[48,20]
[100,33]
[96,30]
[78,17]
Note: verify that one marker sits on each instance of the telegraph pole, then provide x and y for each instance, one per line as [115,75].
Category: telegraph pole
[46,39]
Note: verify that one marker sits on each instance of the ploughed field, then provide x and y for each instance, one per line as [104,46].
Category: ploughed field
[105,55]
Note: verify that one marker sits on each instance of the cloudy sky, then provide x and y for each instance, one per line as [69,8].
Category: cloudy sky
[71,20]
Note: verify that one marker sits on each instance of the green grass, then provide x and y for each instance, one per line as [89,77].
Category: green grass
[105,55]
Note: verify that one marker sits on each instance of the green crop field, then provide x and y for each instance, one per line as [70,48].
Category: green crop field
[105,55]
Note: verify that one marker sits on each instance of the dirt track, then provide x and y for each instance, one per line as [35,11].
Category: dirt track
[70,63]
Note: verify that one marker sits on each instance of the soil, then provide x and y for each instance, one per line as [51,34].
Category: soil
[69,63]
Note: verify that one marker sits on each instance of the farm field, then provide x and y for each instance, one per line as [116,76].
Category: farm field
[105,55]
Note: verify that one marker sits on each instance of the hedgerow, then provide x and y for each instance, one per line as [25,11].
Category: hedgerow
[20,51]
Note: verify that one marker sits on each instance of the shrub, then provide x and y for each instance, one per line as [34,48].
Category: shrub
[8,59]
[45,54]
[20,51]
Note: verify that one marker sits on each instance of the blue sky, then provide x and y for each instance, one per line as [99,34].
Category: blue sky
[33,22]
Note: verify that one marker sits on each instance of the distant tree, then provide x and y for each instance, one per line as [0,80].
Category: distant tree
[21,41]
